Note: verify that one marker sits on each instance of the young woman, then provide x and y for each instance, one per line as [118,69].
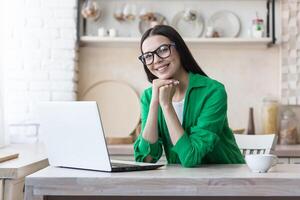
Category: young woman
[184,112]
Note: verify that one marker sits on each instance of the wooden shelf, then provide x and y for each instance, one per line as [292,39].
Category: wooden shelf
[93,40]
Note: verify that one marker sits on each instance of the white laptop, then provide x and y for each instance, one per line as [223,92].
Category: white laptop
[73,135]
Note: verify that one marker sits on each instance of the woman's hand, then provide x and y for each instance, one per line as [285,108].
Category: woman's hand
[166,93]
[156,84]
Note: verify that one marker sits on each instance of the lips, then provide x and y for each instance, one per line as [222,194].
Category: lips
[162,68]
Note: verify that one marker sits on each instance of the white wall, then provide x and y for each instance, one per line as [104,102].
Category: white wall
[249,74]
[2,133]
[40,60]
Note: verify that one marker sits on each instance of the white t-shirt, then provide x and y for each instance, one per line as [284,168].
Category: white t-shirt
[178,106]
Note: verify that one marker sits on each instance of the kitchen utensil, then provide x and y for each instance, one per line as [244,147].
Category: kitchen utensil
[119,107]
[149,20]
[260,163]
[188,23]
[5,156]
[226,23]
[129,12]
[91,10]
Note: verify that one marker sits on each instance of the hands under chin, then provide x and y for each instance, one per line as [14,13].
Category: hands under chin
[163,91]
[166,94]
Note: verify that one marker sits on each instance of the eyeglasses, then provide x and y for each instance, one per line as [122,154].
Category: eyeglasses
[163,51]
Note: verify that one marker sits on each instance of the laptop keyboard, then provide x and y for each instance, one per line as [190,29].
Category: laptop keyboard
[122,165]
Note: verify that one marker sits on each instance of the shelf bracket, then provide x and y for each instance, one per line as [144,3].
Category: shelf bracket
[272,20]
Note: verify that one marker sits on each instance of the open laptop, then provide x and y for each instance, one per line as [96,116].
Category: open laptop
[74,137]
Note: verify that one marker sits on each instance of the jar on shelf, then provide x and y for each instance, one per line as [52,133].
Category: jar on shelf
[288,128]
[258,28]
[270,113]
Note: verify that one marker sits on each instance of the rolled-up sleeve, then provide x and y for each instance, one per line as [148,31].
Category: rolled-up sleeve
[202,138]
[142,147]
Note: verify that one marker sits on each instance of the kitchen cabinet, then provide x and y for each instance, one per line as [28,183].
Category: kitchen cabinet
[288,154]
[294,160]
[31,158]
[127,31]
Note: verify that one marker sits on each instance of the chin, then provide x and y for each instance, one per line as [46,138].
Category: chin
[164,76]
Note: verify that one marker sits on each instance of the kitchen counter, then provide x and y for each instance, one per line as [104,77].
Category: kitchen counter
[169,181]
[32,157]
[288,150]
[280,150]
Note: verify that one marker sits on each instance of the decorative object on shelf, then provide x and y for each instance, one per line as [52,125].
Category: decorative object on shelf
[257,29]
[150,19]
[126,13]
[188,23]
[102,32]
[129,12]
[112,32]
[269,113]
[190,15]
[91,10]
[288,128]
[211,33]
[225,23]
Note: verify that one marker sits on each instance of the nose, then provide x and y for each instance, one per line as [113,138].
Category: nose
[156,58]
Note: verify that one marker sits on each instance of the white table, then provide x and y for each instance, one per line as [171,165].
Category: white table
[31,158]
[171,182]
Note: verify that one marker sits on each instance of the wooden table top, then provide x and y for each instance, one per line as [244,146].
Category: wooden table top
[172,180]
[32,157]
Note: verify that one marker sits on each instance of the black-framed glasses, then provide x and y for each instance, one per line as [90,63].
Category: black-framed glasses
[163,51]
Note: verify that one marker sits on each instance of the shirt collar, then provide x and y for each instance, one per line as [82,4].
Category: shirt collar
[197,80]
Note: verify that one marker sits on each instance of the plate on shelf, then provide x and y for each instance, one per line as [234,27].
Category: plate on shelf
[151,19]
[188,28]
[226,23]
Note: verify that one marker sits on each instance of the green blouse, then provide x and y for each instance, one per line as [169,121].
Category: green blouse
[207,137]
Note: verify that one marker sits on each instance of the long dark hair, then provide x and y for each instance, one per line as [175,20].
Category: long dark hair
[187,60]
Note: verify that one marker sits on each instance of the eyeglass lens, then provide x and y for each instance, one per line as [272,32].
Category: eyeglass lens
[163,51]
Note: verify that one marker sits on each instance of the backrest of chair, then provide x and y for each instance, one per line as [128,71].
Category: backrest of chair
[255,144]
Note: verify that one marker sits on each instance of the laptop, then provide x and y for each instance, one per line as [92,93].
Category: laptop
[74,138]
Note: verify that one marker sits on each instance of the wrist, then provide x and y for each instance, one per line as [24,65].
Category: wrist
[167,106]
[154,102]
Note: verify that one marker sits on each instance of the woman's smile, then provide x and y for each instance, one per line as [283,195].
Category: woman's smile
[162,68]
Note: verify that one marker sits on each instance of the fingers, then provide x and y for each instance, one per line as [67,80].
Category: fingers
[171,85]
[159,82]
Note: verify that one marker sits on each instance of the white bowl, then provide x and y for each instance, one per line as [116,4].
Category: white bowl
[260,163]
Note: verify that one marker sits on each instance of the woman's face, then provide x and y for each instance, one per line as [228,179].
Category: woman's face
[168,64]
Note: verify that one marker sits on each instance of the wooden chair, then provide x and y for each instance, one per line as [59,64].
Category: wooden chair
[255,144]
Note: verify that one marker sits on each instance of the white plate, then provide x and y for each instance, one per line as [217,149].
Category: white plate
[188,28]
[145,25]
[226,23]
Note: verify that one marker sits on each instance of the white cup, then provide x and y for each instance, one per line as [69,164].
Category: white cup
[260,163]
[102,32]
[112,32]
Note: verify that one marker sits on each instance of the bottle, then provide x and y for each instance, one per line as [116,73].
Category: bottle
[270,115]
[288,128]
[251,126]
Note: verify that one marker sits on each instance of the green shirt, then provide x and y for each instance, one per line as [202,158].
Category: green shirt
[207,137]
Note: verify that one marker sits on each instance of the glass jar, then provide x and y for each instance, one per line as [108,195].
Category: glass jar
[288,128]
[270,115]
[258,28]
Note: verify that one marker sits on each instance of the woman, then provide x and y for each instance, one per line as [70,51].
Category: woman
[184,111]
